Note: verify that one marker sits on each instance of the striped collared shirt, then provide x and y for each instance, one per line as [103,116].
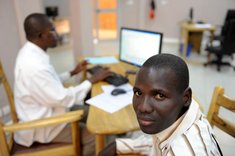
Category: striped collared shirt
[190,135]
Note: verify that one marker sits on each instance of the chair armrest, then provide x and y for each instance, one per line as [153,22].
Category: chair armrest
[60,119]
[129,154]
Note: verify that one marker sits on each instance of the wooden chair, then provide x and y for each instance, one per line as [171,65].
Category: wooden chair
[128,155]
[219,99]
[9,147]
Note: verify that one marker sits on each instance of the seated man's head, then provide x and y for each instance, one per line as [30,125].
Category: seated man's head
[40,30]
[161,92]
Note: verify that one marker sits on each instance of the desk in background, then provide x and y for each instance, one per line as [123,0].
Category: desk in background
[197,31]
[102,123]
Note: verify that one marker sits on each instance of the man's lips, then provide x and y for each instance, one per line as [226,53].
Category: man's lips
[145,121]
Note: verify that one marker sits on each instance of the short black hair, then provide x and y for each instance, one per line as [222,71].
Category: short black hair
[34,24]
[173,62]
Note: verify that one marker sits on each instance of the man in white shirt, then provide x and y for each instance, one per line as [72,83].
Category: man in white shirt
[172,121]
[38,90]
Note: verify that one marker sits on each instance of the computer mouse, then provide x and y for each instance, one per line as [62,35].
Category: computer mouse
[118,91]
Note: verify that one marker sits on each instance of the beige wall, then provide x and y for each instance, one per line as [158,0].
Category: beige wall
[9,45]
[12,14]
[9,40]
[171,12]
[23,9]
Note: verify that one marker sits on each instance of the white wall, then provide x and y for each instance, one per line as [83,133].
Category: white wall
[9,45]
[23,9]
[9,40]
[135,14]
[169,13]
[81,14]
[129,13]
[12,14]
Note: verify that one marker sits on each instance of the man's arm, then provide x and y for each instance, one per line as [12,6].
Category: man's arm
[80,67]
[48,90]
[141,145]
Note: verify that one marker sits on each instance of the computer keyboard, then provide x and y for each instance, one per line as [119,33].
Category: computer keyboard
[114,79]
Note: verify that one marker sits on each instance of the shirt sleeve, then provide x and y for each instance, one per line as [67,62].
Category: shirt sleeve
[64,76]
[141,145]
[82,88]
[47,89]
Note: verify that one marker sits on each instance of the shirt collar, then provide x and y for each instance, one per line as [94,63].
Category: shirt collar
[38,51]
[163,135]
[179,126]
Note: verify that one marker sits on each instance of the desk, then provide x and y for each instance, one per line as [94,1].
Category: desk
[102,123]
[186,28]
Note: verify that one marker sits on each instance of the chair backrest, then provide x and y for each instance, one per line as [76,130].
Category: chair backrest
[229,16]
[6,86]
[219,99]
[228,45]
[9,93]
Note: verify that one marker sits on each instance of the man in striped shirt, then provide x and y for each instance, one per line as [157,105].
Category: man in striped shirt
[172,121]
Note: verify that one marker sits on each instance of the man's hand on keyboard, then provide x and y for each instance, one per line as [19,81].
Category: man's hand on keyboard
[100,76]
[80,67]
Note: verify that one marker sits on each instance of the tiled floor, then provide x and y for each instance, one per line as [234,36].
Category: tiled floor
[202,79]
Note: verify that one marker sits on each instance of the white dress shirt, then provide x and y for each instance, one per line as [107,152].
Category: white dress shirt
[190,135]
[39,93]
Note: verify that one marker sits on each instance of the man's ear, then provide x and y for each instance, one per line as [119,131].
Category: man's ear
[39,35]
[187,97]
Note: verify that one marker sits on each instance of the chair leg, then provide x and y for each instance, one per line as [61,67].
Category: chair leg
[218,62]
[218,68]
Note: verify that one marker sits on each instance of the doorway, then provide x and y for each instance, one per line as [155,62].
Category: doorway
[105,20]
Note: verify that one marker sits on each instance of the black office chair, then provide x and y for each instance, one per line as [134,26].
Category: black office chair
[226,47]
[229,16]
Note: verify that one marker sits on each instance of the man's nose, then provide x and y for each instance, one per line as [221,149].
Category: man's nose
[145,106]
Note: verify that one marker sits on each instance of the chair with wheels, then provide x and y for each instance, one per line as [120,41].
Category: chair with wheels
[229,16]
[226,47]
[9,147]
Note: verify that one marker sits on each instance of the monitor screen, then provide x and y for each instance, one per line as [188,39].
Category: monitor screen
[51,11]
[136,46]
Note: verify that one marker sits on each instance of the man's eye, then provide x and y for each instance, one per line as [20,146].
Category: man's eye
[137,93]
[159,96]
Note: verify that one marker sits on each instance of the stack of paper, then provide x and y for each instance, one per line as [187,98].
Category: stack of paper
[110,103]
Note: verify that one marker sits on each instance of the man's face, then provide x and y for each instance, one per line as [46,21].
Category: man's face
[156,101]
[50,37]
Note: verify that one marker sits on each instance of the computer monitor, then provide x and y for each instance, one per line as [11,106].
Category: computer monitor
[136,46]
[52,11]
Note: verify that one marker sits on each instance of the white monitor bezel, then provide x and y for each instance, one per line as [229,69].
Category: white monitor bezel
[138,30]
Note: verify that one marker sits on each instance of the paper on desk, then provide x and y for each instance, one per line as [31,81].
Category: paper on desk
[205,25]
[102,60]
[110,103]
